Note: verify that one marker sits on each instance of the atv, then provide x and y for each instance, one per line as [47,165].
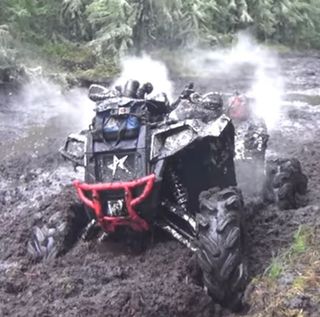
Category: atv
[251,142]
[251,135]
[279,180]
[143,169]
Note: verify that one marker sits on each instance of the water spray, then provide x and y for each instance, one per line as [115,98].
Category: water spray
[145,69]
[253,66]
[42,100]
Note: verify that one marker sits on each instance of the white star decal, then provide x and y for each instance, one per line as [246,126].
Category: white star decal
[118,163]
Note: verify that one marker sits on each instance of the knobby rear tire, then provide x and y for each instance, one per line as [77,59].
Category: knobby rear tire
[285,183]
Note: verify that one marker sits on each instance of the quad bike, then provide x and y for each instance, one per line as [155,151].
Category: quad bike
[280,180]
[251,141]
[143,169]
[251,136]
[251,131]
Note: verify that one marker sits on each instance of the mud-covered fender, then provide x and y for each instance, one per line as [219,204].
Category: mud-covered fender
[172,138]
[74,148]
[251,139]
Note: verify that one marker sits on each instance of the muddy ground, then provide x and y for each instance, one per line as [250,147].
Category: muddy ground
[110,279]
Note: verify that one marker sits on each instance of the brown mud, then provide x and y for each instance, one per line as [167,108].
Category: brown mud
[110,279]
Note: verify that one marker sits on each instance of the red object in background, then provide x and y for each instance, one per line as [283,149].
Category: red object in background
[110,223]
[239,108]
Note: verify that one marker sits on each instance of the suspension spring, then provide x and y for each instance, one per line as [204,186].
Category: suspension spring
[179,191]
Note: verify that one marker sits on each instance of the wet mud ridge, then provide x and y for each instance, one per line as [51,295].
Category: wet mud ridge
[110,279]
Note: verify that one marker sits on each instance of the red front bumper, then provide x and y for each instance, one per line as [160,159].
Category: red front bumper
[110,223]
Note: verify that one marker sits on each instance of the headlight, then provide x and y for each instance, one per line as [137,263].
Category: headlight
[74,149]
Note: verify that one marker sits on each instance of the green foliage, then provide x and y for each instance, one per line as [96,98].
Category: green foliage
[7,46]
[111,24]
[5,36]
[102,71]
[301,242]
[275,269]
[68,52]
[114,27]
[73,19]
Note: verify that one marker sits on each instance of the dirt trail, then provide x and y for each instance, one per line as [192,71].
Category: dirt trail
[110,279]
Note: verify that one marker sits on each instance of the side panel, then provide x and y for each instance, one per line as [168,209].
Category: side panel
[173,138]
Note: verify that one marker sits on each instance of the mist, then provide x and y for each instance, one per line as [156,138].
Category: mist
[246,67]
[42,100]
[44,103]
[145,69]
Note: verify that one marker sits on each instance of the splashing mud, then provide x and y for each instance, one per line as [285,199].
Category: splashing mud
[41,110]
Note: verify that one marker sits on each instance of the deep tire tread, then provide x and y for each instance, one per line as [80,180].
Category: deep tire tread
[58,235]
[285,183]
[220,254]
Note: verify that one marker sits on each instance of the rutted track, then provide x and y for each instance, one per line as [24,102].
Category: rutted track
[109,279]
